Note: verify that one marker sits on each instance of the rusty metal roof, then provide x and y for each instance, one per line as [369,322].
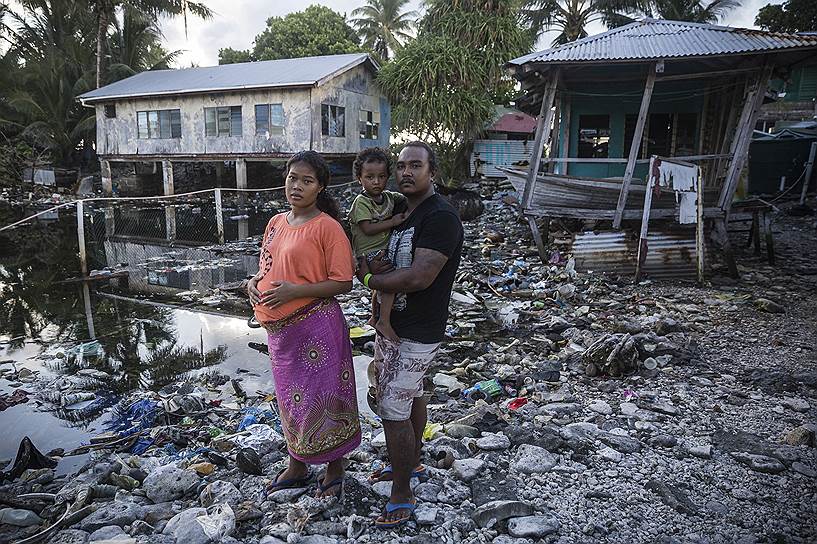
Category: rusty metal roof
[660,39]
[300,72]
[670,254]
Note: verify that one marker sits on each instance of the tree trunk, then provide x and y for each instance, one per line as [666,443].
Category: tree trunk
[101,35]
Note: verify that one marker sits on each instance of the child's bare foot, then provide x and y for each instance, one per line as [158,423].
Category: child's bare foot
[384,328]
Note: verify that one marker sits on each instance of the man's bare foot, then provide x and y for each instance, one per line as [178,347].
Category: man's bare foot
[331,484]
[384,328]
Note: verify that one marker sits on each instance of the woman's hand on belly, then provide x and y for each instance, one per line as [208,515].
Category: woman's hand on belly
[281,293]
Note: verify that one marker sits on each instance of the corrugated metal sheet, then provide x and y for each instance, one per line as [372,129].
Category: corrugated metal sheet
[669,254]
[228,77]
[495,153]
[657,39]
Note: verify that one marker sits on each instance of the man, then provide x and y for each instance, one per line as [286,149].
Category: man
[425,252]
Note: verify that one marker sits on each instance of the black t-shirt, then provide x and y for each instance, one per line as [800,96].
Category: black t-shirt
[434,224]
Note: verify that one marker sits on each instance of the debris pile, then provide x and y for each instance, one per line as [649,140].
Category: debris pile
[567,407]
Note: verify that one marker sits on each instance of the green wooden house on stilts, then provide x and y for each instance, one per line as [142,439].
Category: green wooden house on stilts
[686,92]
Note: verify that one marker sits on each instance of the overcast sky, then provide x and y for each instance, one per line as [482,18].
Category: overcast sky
[237,22]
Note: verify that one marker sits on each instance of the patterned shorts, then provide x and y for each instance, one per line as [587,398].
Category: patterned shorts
[399,371]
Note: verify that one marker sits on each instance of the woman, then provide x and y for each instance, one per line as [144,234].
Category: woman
[305,261]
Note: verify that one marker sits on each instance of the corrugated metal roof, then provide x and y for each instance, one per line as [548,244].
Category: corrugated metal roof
[669,254]
[515,121]
[299,72]
[495,153]
[660,39]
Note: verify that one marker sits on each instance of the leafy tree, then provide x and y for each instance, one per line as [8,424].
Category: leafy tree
[317,30]
[384,25]
[790,16]
[622,12]
[231,56]
[443,83]
[569,17]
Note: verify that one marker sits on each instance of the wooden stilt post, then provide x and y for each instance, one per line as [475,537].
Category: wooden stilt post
[107,180]
[645,220]
[809,170]
[167,177]
[83,256]
[699,228]
[748,118]
[542,133]
[219,216]
[767,229]
[723,238]
[634,147]
[564,146]
[554,137]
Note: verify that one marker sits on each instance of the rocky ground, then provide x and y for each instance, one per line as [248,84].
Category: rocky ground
[659,412]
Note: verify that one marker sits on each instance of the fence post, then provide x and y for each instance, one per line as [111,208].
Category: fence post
[83,258]
[219,216]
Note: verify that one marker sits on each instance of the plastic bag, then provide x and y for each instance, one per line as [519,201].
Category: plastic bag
[219,523]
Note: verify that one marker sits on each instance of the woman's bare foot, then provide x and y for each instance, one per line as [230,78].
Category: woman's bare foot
[384,328]
[372,322]
[332,483]
[295,470]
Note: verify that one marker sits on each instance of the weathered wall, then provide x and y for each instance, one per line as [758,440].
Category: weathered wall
[302,119]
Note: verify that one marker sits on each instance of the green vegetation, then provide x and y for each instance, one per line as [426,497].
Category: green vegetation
[385,25]
[443,85]
[790,16]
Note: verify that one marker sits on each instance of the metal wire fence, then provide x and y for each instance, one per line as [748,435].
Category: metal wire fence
[165,245]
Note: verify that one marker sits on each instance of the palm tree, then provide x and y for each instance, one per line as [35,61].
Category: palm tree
[106,11]
[569,17]
[135,46]
[622,12]
[384,25]
[52,39]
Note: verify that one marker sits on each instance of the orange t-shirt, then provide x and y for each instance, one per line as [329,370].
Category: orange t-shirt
[313,252]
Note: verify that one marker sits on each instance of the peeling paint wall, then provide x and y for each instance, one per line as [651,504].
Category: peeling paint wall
[354,90]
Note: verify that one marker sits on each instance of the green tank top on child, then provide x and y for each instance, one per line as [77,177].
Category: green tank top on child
[364,208]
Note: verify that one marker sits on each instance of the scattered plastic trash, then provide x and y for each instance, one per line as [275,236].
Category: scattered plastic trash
[261,438]
[19,396]
[517,403]
[219,523]
[136,417]
[431,429]
[488,389]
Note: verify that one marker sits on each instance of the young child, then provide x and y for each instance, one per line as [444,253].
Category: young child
[371,219]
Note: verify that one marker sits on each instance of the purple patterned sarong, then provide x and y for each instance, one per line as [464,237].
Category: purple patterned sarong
[315,382]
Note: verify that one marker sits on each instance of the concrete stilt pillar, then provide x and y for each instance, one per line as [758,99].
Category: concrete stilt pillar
[167,177]
[107,180]
[241,174]
[170,222]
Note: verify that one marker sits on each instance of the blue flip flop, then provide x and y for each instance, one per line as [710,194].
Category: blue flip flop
[290,483]
[334,483]
[391,507]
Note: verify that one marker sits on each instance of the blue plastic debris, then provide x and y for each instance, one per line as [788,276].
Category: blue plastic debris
[253,415]
[141,446]
[136,417]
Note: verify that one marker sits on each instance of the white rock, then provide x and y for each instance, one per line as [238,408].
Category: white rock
[611,455]
[468,469]
[493,441]
[628,408]
[426,515]
[533,460]
[169,483]
[533,526]
[379,441]
[382,488]
[601,407]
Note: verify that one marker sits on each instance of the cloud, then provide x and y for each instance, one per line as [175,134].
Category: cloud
[235,24]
